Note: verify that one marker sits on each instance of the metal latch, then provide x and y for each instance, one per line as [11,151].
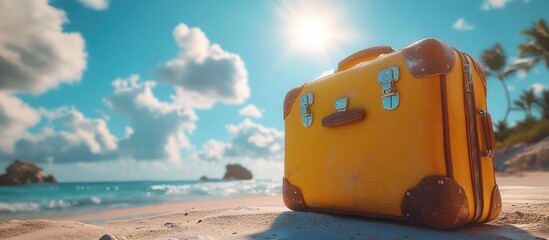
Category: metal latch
[306,115]
[341,104]
[387,77]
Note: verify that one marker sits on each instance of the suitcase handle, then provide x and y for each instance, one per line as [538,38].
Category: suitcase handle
[363,56]
[344,117]
[489,137]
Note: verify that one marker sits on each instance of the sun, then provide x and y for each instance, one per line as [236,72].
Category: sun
[317,27]
[311,32]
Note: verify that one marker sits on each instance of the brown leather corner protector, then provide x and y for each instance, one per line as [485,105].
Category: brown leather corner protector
[292,196]
[436,202]
[289,99]
[429,57]
[343,118]
[495,205]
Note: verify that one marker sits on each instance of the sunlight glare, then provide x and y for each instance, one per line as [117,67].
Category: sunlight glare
[312,32]
[317,27]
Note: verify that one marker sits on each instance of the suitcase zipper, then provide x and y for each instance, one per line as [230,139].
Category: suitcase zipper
[470,113]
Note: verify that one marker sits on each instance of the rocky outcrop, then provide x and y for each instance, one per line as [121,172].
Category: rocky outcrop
[204,178]
[523,157]
[237,172]
[22,172]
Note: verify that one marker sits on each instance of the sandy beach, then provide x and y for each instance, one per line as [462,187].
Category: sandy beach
[525,215]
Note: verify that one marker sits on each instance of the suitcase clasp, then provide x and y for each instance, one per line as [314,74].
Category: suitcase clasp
[387,77]
[306,115]
[340,104]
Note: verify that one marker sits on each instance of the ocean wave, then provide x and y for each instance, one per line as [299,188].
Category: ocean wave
[220,188]
[109,195]
[19,207]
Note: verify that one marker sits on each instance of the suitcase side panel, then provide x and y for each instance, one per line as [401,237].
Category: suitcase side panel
[459,141]
[462,168]
[357,176]
[490,190]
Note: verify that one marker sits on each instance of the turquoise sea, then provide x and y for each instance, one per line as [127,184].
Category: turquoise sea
[66,199]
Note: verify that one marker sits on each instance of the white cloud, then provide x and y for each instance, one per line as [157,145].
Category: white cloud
[68,136]
[511,88]
[522,74]
[538,87]
[15,118]
[91,132]
[255,141]
[204,73]
[35,53]
[96,4]
[461,25]
[250,110]
[158,129]
[212,150]
[494,4]
[325,73]
[249,141]
[520,63]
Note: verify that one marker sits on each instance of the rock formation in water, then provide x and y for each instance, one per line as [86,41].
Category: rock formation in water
[237,172]
[523,157]
[23,172]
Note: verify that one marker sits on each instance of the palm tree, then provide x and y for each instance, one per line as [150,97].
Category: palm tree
[537,46]
[543,103]
[525,102]
[496,60]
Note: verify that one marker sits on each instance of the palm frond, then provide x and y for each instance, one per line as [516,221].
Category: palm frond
[529,49]
[521,64]
[494,58]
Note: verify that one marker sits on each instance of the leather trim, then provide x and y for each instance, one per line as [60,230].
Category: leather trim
[429,57]
[362,56]
[445,127]
[355,213]
[489,135]
[436,202]
[289,100]
[292,196]
[343,118]
[472,142]
[495,205]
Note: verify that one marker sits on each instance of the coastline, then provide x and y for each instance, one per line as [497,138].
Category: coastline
[525,215]
[174,208]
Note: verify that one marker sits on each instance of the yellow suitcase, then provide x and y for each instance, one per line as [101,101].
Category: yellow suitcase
[401,135]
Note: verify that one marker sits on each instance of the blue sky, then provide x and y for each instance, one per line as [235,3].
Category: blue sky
[97,90]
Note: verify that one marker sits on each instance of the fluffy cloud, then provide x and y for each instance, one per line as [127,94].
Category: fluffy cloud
[35,53]
[15,118]
[538,87]
[96,4]
[157,128]
[249,141]
[67,136]
[250,110]
[204,73]
[212,150]
[461,25]
[493,4]
[157,132]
